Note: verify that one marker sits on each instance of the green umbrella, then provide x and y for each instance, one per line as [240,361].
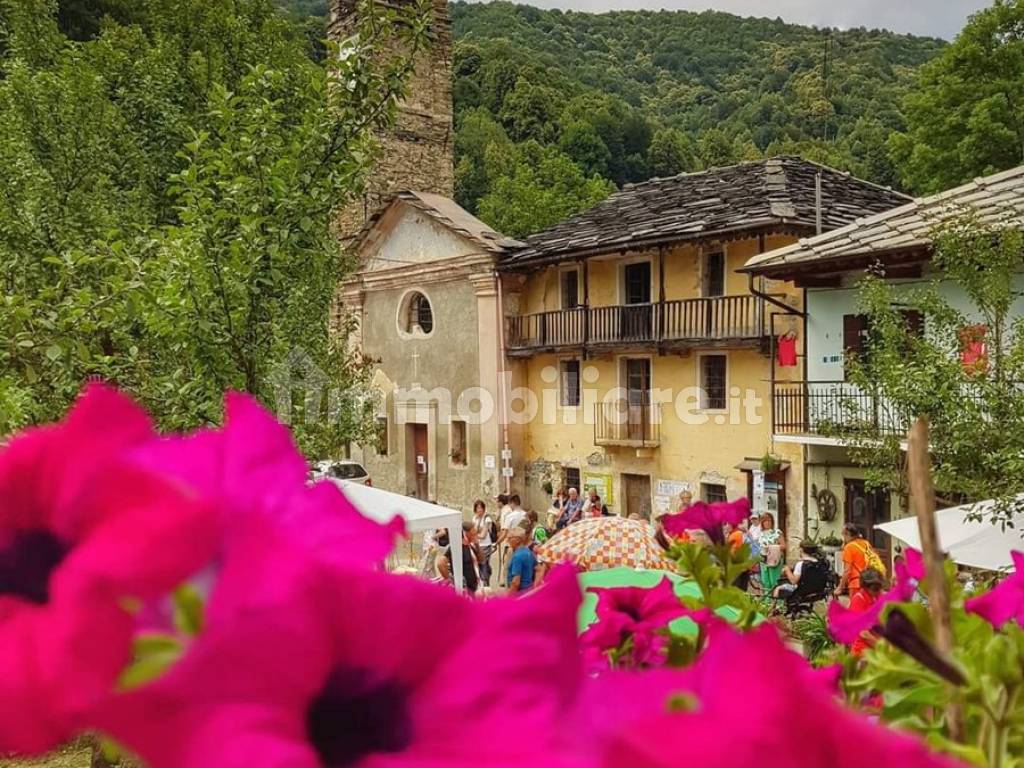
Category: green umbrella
[631,577]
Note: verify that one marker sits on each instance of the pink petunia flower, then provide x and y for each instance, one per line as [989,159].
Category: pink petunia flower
[83,535]
[846,625]
[1005,602]
[354,668]
[709,518]
[251,466]
[637,613]
[799,720]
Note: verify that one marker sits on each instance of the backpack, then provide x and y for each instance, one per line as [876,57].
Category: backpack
[493,530]
[871,557]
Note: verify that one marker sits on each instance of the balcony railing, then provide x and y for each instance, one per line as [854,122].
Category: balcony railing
[622,422]
[832,409]
[719,319]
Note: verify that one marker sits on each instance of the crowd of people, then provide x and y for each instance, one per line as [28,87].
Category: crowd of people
[498,551]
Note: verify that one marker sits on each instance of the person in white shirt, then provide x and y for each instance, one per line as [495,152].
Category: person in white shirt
[511,516]
[486,533]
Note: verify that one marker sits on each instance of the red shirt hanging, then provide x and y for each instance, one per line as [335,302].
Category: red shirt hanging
[787,350]
[974,349]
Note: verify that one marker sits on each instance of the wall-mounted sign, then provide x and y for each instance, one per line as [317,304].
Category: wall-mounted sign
[489,461]
[666,495]
[602,484]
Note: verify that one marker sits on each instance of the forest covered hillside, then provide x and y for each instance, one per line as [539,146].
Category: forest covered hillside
[553,109]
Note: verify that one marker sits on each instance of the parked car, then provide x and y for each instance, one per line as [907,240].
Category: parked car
[342,469]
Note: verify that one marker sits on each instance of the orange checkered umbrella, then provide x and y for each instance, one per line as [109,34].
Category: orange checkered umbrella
[597,543]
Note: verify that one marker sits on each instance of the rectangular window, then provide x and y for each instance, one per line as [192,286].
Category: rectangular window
[572,478]
[714,274]
[713,384]
[570,376]
[712,492]
[570,289]
[459,446]
[637,283]
[382,435]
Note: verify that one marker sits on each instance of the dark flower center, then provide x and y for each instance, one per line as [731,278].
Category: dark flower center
[26,561]
[355,716]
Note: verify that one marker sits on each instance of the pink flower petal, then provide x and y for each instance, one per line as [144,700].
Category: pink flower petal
[82,535]
[1004,602]
[708,517]
[799,720]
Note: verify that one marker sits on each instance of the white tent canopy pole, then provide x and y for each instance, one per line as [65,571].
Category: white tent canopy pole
[380,505]
[974,543]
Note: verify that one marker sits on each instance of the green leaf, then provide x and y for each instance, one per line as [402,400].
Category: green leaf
[188,610]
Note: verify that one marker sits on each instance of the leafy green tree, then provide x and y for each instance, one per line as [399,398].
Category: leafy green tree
[671,152]
[966,118]
[540,187]
[165,215]
[583,144]
[478,133]
[976,411]
[529,112]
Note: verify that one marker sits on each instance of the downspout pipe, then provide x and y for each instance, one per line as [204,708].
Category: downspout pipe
[502,378]
[751,286]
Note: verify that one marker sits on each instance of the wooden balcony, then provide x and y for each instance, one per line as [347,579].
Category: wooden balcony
[719,321]
[625,423]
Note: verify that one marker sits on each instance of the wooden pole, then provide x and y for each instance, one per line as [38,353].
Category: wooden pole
[922,496]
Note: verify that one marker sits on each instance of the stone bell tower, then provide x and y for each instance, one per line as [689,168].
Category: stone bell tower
[416,152]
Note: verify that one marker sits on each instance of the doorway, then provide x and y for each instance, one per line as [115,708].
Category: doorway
[637,493]
[417,458]
[868,507]
[637,313]
[637,375]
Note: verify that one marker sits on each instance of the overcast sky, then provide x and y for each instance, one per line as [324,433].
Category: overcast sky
[941,18]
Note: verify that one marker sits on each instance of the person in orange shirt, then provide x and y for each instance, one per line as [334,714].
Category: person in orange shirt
[857,557]
[734,538]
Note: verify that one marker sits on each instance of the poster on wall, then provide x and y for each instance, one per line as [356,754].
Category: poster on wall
[758,500]
[666,495]
[602,484]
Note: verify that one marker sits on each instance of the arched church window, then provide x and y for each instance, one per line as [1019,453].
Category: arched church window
[419,315]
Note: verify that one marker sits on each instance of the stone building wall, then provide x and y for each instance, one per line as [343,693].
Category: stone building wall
[415,153]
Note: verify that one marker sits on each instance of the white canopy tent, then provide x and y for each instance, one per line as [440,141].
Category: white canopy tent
[380,505]
[970,542]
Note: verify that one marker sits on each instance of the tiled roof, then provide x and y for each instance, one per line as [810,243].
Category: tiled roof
[451,215]
[779,192]
[994,200]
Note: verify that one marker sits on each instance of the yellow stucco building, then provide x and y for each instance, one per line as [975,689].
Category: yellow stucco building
[640,361]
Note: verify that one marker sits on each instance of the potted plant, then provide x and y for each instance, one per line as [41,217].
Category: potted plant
[770,463]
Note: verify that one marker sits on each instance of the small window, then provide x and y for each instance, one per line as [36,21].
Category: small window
[572,478]
[713,384]
[712,492]
[570,289]
[419,315]
[458,443]
[570,377]
[382,435]
[714,274]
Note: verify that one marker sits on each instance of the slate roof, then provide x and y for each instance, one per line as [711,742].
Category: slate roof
[774,193]
[449,214]
[995,200]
